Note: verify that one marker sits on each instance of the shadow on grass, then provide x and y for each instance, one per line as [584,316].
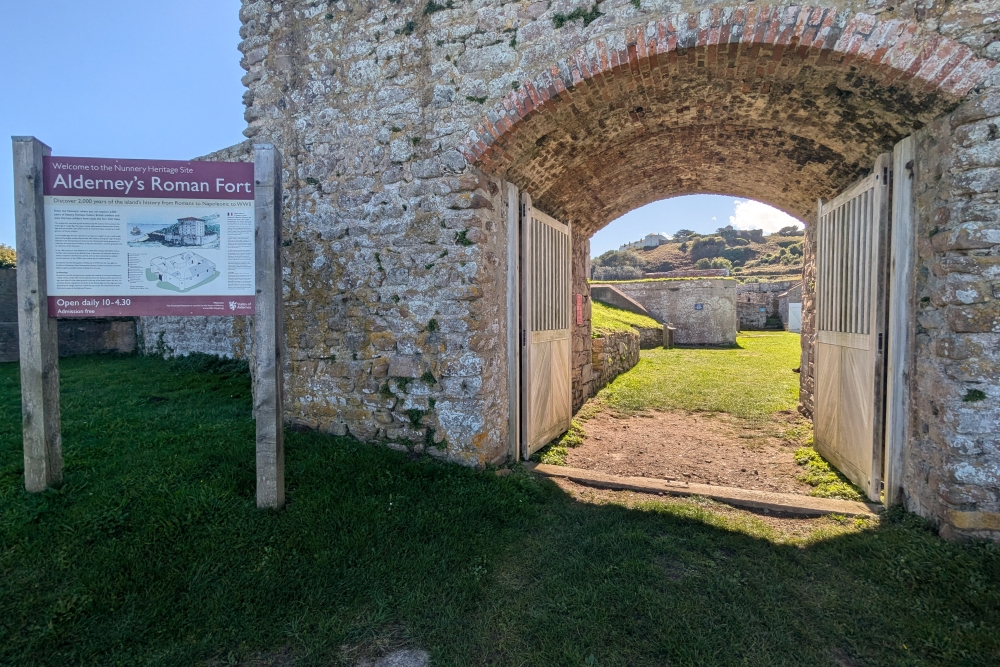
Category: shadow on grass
[153,553]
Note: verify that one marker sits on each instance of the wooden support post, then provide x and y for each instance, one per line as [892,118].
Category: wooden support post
[38,335]
[513,322]
[668,336]
[901,320]
[268,329]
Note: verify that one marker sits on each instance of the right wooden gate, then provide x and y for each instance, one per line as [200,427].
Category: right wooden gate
[851,311]
[546,338]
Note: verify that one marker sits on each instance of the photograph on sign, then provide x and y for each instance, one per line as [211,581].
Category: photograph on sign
[148,237]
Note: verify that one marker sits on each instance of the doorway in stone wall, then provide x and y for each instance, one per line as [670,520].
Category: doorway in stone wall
[720,407]
[633,116]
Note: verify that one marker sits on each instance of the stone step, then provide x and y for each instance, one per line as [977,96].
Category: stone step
[779,502]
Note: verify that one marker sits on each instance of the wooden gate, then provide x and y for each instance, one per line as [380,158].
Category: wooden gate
[546,341]
[851,307]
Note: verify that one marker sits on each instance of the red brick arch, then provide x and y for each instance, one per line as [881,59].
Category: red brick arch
[800,99]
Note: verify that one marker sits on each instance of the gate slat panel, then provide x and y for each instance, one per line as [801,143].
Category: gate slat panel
[547,343]
[852,235]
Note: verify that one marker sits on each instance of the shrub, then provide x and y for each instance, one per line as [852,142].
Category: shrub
[618,273]
[713,263]
[619,258]
[8,257]
[791,230]
[739,254]
[707,246]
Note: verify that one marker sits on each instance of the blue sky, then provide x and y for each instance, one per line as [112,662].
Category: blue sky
[162,81]
[120,79]
[699,213]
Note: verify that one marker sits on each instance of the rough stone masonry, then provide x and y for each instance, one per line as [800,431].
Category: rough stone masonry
[401,121]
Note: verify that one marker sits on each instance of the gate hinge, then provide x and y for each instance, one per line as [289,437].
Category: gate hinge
[524,338]
[880,343]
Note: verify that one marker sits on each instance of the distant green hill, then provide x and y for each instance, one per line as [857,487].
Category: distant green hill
[778,256]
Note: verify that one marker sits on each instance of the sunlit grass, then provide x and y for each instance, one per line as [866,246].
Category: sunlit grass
[751,380]
[608,318]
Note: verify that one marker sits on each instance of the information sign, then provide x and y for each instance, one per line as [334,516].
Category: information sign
[148,237]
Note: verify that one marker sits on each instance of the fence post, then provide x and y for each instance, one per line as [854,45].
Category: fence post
[268,328]
[38,334]
[668,336]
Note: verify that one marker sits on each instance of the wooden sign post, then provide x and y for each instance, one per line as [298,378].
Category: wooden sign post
[268,329]
[209,189]
[38,335]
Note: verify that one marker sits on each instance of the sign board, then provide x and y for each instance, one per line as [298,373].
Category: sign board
[148,237]
[101,238]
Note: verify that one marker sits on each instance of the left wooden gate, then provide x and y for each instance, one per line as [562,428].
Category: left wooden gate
[546,341]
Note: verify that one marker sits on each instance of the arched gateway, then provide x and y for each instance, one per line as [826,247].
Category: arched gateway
[409,130]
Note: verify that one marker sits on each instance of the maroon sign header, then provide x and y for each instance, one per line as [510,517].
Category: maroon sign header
[150,179]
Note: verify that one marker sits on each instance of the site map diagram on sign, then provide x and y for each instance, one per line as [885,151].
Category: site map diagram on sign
[148,237]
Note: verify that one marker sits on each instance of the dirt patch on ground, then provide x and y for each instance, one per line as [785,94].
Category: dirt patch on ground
[705,448]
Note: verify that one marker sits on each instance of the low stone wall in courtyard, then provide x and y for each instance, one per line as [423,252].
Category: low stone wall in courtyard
[76,336]
[167,337]
[613,353]
[650,337]
[756,302]
[702,310]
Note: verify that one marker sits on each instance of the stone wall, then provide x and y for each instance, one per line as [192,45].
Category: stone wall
[952,467]
[613,353]
[613,297]
[792,295]
[807,378]
[584,375]
[8,295]
[703,311]
[650,337]
[399,121]
[752,297]
[178,336]
[8,315]
[76,336]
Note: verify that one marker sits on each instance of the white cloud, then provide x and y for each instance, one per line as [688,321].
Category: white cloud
[749,214]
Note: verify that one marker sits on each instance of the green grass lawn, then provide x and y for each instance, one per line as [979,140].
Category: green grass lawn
[153,553]
[608,318]
[751,380]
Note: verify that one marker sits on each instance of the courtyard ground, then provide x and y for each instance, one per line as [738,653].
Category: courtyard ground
[153,553]
[713,415]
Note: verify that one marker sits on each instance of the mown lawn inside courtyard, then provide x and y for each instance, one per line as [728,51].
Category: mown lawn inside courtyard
[153,553]
[750,380]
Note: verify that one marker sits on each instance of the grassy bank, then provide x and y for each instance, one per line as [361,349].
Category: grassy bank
[605,318]
[751,380]
[153,553]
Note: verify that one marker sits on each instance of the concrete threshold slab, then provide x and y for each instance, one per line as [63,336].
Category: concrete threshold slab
[777,502]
